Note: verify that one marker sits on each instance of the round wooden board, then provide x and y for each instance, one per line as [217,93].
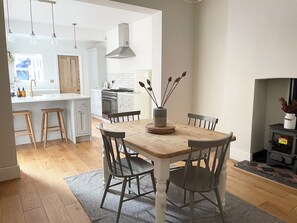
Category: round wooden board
[160,130]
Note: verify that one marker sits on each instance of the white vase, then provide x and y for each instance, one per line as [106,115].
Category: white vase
[290,121]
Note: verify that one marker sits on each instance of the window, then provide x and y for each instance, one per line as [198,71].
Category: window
[28,66]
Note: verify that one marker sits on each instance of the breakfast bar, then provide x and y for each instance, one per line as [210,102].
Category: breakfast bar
[77,115]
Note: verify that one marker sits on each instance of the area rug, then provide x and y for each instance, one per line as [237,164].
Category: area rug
[278,174]
[88,189]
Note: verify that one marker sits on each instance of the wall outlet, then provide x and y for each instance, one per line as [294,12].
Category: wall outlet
[52,81]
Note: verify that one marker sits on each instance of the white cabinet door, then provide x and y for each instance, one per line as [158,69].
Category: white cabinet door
[125,102]
[82,118]
[96,102]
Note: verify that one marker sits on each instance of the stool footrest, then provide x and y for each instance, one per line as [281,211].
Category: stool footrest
[55,130]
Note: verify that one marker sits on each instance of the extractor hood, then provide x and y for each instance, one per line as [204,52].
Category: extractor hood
[124,51]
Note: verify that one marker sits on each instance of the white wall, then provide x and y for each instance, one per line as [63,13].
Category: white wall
[123,70]
[50,64]
[174,54]
[140,36]
[261,43]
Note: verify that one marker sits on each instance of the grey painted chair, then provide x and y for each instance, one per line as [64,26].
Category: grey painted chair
[202,121]
[200,177]
[124,117]
[124,167]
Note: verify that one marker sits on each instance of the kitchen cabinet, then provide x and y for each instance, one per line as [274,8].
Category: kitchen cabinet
[82,118]
[77,115]
[96,103]
[125,102]
[135,101]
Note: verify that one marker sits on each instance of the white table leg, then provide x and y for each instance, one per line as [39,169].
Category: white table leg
[161,168]
[223,179]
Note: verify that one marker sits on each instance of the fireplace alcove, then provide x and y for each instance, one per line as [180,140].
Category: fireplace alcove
[266,111]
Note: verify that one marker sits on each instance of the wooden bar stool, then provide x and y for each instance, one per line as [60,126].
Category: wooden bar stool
[44,124]
[29,131]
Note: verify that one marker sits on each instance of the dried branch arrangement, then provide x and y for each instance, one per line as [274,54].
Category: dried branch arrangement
[168,90]
[288,108]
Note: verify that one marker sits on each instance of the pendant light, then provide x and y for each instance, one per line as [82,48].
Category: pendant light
[74,34]
[32,34]
[54,37]
[10,36]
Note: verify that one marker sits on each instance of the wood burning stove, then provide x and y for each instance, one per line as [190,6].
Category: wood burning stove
[282,147]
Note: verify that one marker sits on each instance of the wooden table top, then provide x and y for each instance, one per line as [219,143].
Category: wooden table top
[162,146]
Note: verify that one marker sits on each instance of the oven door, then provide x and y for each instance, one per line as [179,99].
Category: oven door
[109,105]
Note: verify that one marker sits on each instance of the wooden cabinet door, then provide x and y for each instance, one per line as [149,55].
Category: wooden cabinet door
[69,74]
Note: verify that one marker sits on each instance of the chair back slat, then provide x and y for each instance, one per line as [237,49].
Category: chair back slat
[213,153]
[113,143]
[124,116]
[202,121]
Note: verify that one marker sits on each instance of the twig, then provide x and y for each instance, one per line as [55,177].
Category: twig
[173,86]
[177,80]
[151,89]
[169,80]
[142,85]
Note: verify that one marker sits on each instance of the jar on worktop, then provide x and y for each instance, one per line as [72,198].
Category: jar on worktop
[23,93]
[19,93]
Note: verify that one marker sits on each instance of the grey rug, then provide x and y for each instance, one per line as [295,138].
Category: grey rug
[88,189]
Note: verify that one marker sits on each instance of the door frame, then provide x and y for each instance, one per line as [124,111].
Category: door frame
[81,80]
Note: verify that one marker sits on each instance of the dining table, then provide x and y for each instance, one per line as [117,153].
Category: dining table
[163,150]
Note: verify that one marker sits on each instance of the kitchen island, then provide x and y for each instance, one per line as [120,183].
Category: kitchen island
[77,115]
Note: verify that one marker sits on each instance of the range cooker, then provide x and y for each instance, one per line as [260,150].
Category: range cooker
[110,100]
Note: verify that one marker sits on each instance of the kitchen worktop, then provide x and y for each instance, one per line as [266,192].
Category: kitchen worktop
[77,115]
[48,97]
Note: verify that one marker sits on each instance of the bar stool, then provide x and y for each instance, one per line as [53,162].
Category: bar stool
[44,124]
[29,131]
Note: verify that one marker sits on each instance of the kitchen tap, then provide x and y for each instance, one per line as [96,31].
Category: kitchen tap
[31,91]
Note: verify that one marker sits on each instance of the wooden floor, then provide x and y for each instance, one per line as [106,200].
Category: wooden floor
[41,195]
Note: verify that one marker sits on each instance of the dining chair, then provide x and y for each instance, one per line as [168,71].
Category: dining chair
[202,121]
[123,167]
[124,117]
[197,177]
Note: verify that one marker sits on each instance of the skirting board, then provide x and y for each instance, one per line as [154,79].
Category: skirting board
[239,155]
[9,173]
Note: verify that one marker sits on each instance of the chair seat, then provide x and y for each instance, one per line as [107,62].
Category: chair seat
[205,183]
[139,167]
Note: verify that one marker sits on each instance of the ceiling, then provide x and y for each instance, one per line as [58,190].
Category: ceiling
[66,12]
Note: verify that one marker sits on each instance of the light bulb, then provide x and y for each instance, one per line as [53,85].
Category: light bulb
[54,40]
[32,38]
[10,37]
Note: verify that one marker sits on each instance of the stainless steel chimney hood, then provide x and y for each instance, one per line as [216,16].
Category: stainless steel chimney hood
[124,50]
